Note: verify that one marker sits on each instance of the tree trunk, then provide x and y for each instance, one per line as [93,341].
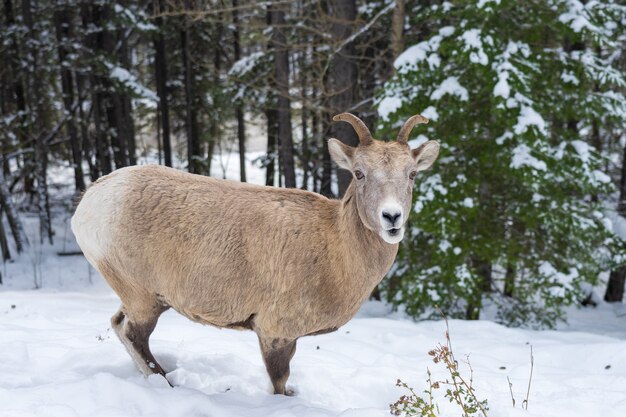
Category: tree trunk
[90,16]
[127,124]
[397,29]
[305,154]
[43,203]
[615,286]
[63,24]
[241,138]
[484,271]
[481,265]
[103,156]
[368,81]
[160,65]
[341,80]
[86,140]
[509,280]
[114,120]
[4,244]
[239,111]
[15,224]
[19,81]
[36,94]
[6,97]
[216,114]
[193,142]
[111,99]
[281,75]
[271,118]
[272,140]
[325,187]
[315,136]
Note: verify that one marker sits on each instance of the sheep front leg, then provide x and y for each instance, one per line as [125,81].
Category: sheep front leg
[277,353]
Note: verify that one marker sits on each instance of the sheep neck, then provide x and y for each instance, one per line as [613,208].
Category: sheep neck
[372,254]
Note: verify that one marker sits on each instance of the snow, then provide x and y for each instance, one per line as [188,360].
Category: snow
[444,245]
[408,59]
[601,177]
[140,24]
[446,31]
[583,150]
[414,143]
[549,271]
[473,42]
[506,68]
[431,113]
[427,188]
[413,54]
[452,87]
[502,88]
[504,137]
[529,117]
[388,105]
[618,222]
[433,61]
[226,165]
[482,3]
[569,77]
[577,17]
[522,157]
[245,64]
[61,358]
[126,78]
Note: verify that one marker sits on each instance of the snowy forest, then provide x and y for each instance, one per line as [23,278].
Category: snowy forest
[519,228]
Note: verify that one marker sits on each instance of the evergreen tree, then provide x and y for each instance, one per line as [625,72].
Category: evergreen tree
[510,218]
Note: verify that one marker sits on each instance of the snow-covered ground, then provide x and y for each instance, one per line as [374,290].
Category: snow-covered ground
[58,356]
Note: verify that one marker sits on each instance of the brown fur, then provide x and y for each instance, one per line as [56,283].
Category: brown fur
[283,262]
[277,247]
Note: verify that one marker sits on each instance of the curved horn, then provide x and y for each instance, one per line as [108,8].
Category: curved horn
[408,126]
[365,137]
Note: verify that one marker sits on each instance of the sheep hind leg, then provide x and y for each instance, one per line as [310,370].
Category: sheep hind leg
[134,333]
[277,354]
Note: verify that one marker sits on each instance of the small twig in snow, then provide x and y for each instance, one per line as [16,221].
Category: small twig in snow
[530,379]
[511,390]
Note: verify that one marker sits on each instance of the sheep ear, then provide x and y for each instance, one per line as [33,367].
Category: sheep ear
[341,153]
[426,154]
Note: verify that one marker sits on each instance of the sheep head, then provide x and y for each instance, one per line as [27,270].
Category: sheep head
[384,174]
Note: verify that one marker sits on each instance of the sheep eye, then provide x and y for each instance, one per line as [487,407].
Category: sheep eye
[412,175]
[359,175]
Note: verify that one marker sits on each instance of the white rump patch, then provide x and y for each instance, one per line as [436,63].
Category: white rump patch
[93,223]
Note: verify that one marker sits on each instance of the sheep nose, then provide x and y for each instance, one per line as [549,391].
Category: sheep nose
[391,216]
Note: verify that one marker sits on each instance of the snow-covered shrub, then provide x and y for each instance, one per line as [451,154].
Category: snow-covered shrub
[517,94]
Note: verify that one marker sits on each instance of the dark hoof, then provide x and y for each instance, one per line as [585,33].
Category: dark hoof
[288,393]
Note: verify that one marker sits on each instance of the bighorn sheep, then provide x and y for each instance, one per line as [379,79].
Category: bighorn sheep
[284,263]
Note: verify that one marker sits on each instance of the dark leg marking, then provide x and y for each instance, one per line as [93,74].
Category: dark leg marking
[117,319]
[138,335]
[135,336]
[277,354]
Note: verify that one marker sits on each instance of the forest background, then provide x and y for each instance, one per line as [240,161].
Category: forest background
[523,213]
